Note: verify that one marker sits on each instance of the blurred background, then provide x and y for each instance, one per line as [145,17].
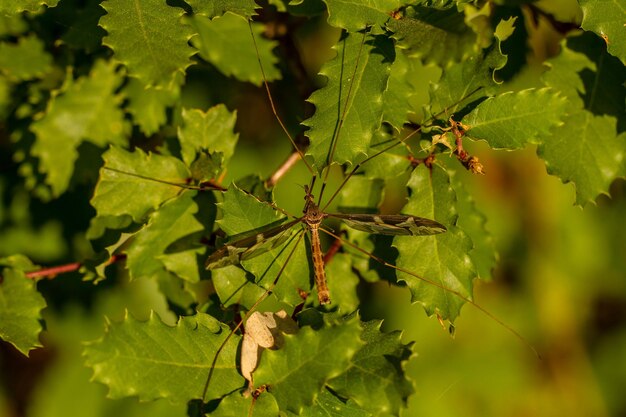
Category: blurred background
[560,280]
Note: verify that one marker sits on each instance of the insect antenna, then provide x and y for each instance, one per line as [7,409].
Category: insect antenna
[393,145]
[438,285]
[251,310]
[203,187]
[341,117]
[273,106]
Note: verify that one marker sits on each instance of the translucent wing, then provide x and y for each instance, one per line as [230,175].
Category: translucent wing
[391,224]
[254,245]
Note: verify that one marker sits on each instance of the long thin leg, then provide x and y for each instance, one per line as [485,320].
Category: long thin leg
[438,285]
[252,309]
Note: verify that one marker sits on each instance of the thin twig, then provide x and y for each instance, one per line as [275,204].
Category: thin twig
[282,170]
[53,271]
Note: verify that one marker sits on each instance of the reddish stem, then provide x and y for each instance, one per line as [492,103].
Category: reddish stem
[53,271]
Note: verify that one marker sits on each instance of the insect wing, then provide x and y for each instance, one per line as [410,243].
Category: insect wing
[391,224]
[249,247]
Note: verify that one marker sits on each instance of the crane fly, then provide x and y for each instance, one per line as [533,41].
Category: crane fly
[256,244]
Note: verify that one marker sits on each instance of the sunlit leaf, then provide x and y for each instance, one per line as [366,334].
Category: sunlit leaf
[297,372]
[128,175]
[362,107]
[441,259]
[513,120]
[175,360]
[149,38]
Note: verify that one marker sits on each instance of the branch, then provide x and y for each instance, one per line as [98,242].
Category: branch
[53,271]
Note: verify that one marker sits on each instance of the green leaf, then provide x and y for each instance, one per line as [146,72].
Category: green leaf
[294,276]
[237,405]
[564,73]
[149,38]
[298,371]
[467,81]
[20,305]
[436,35]
[398,93]
[363,107]
[211,8]
[87,110]
[473,222]
[513,120]
[233,287]
[211,130]
[24,60]
[606,18]
[245,215]
[342,283]
[81,24]
[242,212]
[174,221]
[11,7]
[441,259]
[128,175]
[361,195]
[148,104]
[328,405]
[226,42]
[151,360]
[354,15]
[376,379]
[587,151]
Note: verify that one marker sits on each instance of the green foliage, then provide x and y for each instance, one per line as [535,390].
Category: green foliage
[135,135]
[20,305]
[152,360]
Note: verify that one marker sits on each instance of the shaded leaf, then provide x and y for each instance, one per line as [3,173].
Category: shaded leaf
[466,81]
[148,104]
[297,372]
[353,16]
[87,110]
[587,151]
[211,130]
[20,305]
[9,7]
[24,60]
[176,360]
[237,405]
[606,18]
[175,220]
[226,42]
[441,259]
[328,405]
[211,8]
[434,34]
[148,37]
